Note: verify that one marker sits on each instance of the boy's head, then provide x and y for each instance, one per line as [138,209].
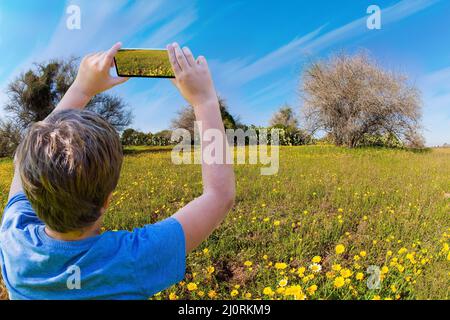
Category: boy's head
[69,164]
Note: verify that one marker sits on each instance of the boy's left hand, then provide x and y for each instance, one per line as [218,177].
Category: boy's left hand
[93,75]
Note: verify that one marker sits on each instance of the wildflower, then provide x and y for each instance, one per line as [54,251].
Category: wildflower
[192,286]
[376,297]
[336,267]
[283,282]
[265,257]
[248,263]
[359,276]
[315,267]
[340,249]
[384,270]
[248,295]
[268,291]
[205,251]
[201,294]
[346,273]
[212,294]
[276,223]
[234,293]
[280,265]
[339,282]
[316,259]
[210,269]
[312,289]
[356,257]
[173,296]
[330,274]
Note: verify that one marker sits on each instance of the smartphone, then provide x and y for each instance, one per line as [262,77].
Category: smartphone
[144,63]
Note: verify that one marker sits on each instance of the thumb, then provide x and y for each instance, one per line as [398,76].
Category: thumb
[118,80]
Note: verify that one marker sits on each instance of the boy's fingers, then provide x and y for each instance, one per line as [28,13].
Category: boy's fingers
[173,60]
[189,57]
[201,60]
[109,56]
[180,57]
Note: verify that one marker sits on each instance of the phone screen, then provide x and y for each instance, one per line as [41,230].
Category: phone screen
[147,63]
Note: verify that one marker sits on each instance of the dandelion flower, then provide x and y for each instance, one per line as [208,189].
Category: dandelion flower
[268,291]
[276,223]
[212,294]
[173,296]
[339,282]
[234,293]
[336,267]
[248,263]
[363,254]
[316,259]
[359,276]
[280,265]
[192,286]
[340,249]
[312,289]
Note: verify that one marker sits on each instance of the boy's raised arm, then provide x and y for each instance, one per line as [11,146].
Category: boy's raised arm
[200,217]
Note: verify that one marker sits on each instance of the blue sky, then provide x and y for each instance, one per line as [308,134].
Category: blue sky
[256,49]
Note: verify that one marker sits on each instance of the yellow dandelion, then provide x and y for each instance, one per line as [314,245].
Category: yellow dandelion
[339,282]
[316,259]
[359,276]
[312,289]
[234,293]
[346,273]
[212,294]
[248,263]
[276,223]
[173,296]
[340,248]
[336,267]
[192,286]
[268,291]
[280,265]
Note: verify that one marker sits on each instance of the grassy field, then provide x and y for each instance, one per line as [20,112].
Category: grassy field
[309,232]
[147,63]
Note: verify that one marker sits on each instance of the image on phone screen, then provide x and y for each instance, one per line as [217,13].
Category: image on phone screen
[146,63]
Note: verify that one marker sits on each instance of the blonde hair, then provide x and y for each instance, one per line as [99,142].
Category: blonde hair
[69,164]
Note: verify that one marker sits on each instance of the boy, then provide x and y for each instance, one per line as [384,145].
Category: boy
[66,169]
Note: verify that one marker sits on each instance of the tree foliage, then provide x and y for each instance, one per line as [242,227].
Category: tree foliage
[34,94]
[285,116]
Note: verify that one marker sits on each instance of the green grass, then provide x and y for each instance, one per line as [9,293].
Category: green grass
[389,203]
[150,63]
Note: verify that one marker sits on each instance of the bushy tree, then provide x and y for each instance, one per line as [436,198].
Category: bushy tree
[186,118]
[285,116]
[351,98]
[10,136]
[34,94]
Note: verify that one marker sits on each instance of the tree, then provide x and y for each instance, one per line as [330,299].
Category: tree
[34,94]
[186,118]
[285,116]
[10,136]
[351,97]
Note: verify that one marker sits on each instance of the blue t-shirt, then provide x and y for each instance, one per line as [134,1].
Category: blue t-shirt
[113,265]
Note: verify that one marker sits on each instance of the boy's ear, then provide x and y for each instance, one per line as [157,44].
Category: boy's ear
[107,202]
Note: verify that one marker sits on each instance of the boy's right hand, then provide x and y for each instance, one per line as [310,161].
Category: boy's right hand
[93,75]
[192,76]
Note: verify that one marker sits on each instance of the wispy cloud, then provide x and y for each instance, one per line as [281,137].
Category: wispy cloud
[315,42]
[172,28]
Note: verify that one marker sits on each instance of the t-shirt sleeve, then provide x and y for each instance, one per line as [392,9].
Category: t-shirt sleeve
[159,253]
[18,212]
